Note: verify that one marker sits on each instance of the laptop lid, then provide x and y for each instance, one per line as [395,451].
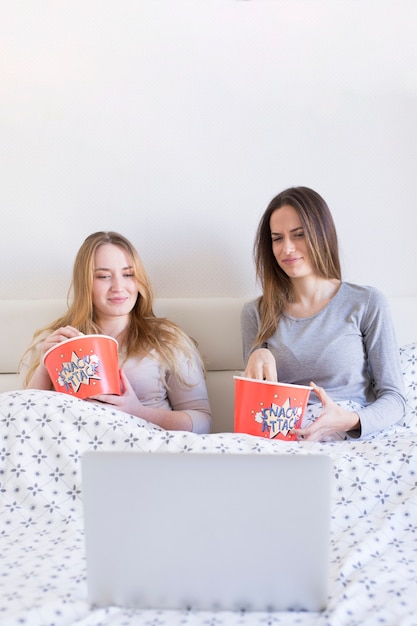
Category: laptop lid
[207,531]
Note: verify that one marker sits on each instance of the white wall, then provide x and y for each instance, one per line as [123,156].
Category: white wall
[175,122]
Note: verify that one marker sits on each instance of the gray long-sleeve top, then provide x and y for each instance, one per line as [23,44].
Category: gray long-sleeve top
[349,348]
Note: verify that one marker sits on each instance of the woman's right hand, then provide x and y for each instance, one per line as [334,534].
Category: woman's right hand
[261,365]
[58,336]
[40,378]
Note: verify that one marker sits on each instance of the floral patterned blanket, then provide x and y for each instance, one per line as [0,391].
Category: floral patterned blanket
[42,560]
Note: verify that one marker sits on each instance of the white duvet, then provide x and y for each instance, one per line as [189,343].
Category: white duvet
[42,564]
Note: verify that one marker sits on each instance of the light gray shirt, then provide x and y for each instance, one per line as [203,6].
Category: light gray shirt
[157,387]
[349,348]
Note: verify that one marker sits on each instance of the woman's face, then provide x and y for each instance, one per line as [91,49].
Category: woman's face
[288,242]
[115,288]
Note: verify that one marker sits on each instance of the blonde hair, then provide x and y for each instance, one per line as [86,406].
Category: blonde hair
[145,333]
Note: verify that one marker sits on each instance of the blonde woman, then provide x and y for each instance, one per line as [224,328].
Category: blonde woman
[162,373]
[311,327]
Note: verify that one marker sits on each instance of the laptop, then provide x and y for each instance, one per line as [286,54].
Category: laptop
[204,531]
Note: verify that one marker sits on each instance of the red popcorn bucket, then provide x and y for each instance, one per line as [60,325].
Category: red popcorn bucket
[84,366]
[269,409]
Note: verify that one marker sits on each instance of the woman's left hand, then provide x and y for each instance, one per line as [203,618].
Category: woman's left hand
[127,402]
[332,420]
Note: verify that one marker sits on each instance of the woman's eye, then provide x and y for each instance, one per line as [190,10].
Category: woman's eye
[103,276]
[129,275]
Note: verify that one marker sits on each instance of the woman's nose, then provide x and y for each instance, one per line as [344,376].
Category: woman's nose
[288,245]
[116,284]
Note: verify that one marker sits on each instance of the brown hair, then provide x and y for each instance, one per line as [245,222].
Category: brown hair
[322,245]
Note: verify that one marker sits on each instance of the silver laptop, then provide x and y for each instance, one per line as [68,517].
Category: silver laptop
[207,531]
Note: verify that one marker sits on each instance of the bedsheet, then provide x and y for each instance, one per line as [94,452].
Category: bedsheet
[42,561]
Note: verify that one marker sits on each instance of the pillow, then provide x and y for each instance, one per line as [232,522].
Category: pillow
[408,357]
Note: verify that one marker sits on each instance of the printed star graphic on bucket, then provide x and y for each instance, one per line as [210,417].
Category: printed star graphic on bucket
[269,409]
[84,366]
[279,418]
[79,371]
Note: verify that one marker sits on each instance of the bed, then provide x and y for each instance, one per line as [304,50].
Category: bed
[43,435]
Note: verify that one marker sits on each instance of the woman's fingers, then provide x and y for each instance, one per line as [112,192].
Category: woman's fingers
[261,365]
[58,336]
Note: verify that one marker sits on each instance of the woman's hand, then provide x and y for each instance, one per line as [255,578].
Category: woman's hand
[127,401]
[332,420]
[40,378]
[261,365]
[58,336]
[130,403]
